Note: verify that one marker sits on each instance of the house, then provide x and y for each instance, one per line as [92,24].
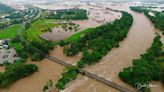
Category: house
[4,44]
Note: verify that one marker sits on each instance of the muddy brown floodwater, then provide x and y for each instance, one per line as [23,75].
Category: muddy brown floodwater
[58,53]
[35,82]
[96,17]
[139,39]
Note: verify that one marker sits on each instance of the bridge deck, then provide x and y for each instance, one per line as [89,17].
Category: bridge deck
[93,76]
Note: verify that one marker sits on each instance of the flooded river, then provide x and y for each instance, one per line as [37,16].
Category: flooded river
[35,83]
[140,37]
[96,17]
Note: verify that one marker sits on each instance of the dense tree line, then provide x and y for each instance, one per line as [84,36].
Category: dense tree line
[68,14]
[101,40]
[95,45]
[147,68]
[37,50]
[157,19]
[27,25]
[3,25]
[16,71]
[70,74]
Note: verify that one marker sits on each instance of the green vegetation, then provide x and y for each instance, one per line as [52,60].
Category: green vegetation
[103,38]
[70,74]
[157,19]
[70,26]
[29,44]
[15,72]
[9,32]
[36,28]
[36,50]
[29,14]
[94,44]
[25,39]
[4,23]
[16,17]
[68,14]
[48,85]
[147,68]
[76,36]
[5,9]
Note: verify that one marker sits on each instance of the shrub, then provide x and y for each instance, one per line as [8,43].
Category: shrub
[16,71]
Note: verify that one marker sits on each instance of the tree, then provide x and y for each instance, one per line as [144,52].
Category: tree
[24,55]
[162,76]
[39,55]
[145,69]
[16,71]
[27,25]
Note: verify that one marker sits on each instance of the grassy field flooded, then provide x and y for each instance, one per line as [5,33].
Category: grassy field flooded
[96,17]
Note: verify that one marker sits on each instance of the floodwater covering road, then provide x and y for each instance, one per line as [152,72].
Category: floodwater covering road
[139,39]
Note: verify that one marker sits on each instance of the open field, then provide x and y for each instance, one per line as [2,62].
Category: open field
[37,28]
[9,32]
[76,36]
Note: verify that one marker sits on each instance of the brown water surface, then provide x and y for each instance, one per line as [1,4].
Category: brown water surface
[35,82]
[140,37]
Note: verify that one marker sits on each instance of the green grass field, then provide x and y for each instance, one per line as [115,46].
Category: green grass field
[76,36]
[9,32]
[37,27]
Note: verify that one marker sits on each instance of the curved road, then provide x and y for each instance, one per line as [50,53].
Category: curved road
[140,37]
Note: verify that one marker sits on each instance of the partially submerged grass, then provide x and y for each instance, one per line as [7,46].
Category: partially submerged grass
[76,36]
[37,28]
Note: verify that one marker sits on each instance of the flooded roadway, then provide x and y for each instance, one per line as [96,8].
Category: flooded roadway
[140,37]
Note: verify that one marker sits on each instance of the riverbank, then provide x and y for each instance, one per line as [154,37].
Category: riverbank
[35,83]
[117,59]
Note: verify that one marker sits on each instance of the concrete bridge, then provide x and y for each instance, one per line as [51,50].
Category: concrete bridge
[93,76]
